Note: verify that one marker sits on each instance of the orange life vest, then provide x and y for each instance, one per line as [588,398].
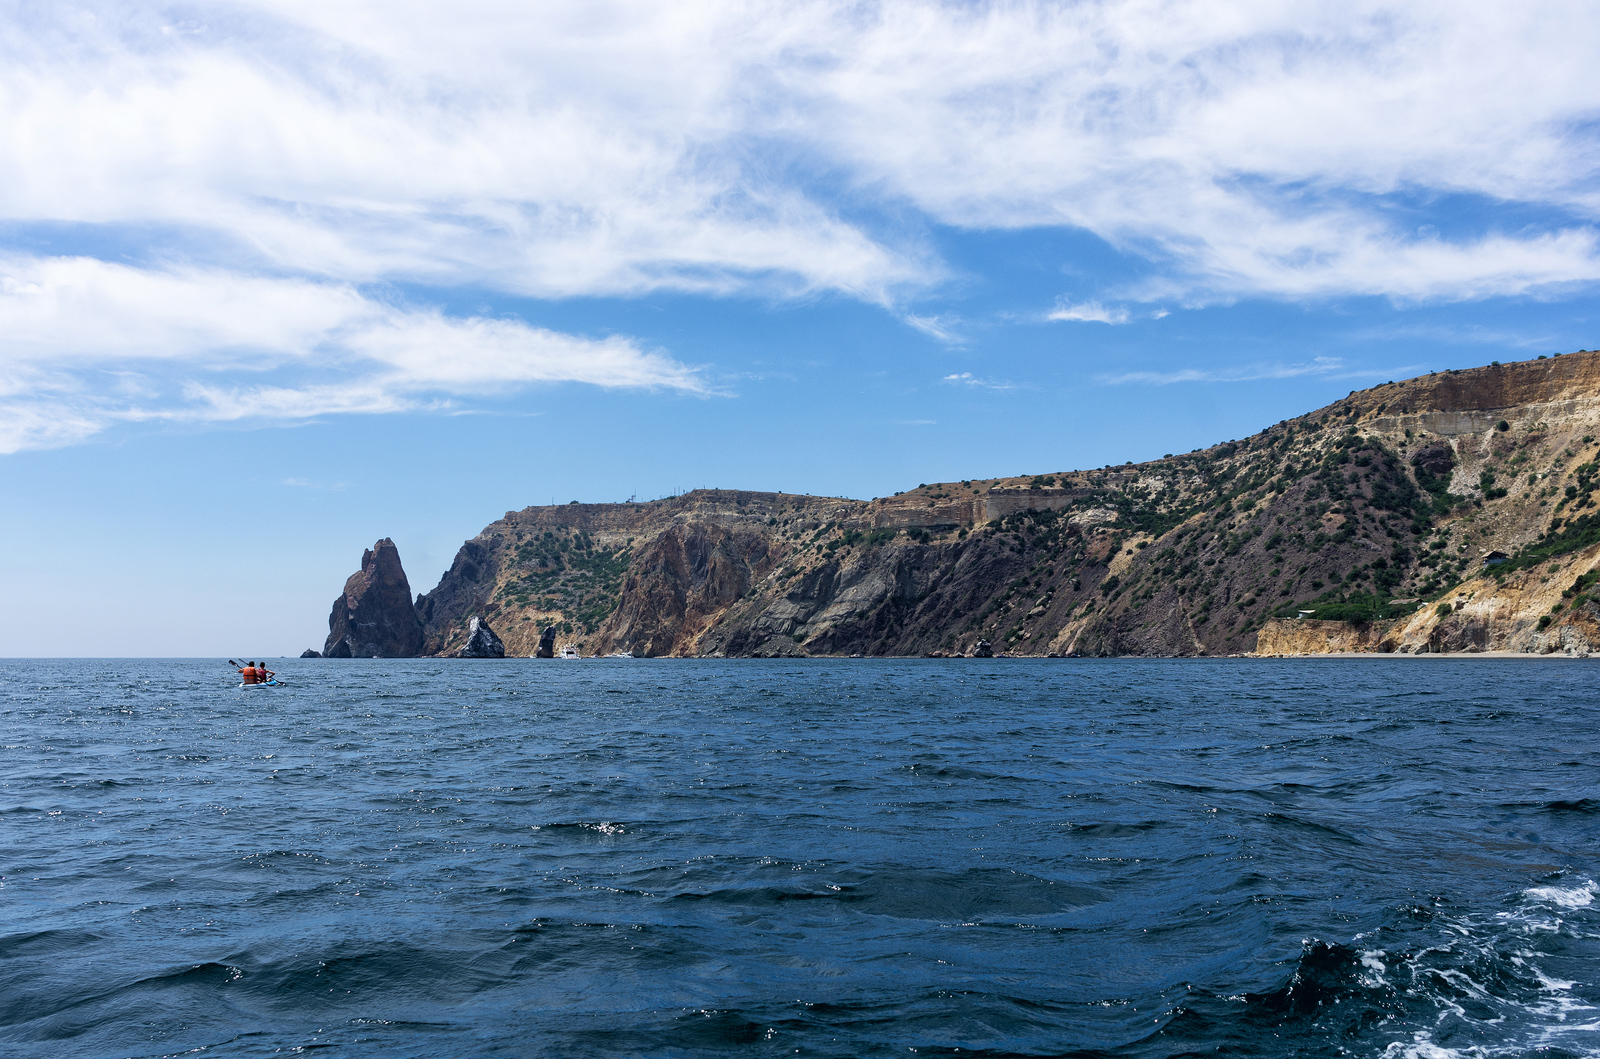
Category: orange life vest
[249,675]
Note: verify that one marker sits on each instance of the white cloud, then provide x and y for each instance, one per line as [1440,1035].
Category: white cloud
[1089,312]
[89,343]
[1329,367]
[617,146]
[1246,152]
[939,327]
[264,162]
[572,149]
[1252,373]
[966,378]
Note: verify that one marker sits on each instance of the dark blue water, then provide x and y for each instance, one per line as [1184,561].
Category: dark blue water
[864,858]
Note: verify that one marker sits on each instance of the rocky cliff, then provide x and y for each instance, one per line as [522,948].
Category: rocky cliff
[1540,608]
[1375,514]
[374,616]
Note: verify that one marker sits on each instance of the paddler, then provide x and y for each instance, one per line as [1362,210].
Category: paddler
[263,674]
[249,674]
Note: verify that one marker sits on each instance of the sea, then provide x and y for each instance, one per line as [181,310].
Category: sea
[841,858]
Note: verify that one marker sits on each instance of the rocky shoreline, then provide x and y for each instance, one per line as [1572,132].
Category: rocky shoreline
[1373,525]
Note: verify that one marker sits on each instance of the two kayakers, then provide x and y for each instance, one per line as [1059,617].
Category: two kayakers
[255,673]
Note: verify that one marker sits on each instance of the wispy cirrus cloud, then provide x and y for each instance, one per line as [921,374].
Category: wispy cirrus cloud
[1089,312]
[1328,367]
[568,150]
[1251,373]
[939,327]
[1277,152]
[966,378]
[90,344]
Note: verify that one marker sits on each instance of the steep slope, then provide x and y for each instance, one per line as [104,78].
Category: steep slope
[1362,511]
[641,576]
[1541,607]
[374,617]
[1365,509]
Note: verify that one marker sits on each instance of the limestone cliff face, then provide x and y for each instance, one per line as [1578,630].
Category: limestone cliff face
[1282,636]
[1380,506]
[1539,610]
[373,617]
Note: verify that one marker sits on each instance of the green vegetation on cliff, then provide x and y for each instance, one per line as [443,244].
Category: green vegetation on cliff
[1365,510]
[567,573]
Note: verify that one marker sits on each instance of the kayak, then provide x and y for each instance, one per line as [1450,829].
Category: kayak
[265,684]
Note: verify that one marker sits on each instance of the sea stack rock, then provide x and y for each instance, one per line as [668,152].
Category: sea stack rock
[481,641]
[983,649]
[309,653]
[547,643]
[374,616]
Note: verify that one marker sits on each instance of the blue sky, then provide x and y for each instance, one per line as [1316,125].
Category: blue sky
[277,280]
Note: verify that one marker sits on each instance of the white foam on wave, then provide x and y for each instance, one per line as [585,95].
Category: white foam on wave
[1580,895]
[1422,1047]
[1549,909]
[1372,961]
[1567,1015]
[1551,1015]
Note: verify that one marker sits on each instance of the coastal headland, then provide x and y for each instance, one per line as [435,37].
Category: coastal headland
[1448,513]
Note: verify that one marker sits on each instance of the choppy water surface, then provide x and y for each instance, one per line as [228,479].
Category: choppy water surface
[699,858]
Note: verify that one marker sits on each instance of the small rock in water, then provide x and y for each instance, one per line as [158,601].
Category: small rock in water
[481,641]
[309,653]
[982,649]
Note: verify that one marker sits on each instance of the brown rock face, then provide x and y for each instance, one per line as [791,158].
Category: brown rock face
[1385,503]
[682,581]
[1459,634]
[374,616]
[648,578]
[1436,459]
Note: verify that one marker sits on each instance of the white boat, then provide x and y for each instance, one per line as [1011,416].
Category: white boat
[569,651]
